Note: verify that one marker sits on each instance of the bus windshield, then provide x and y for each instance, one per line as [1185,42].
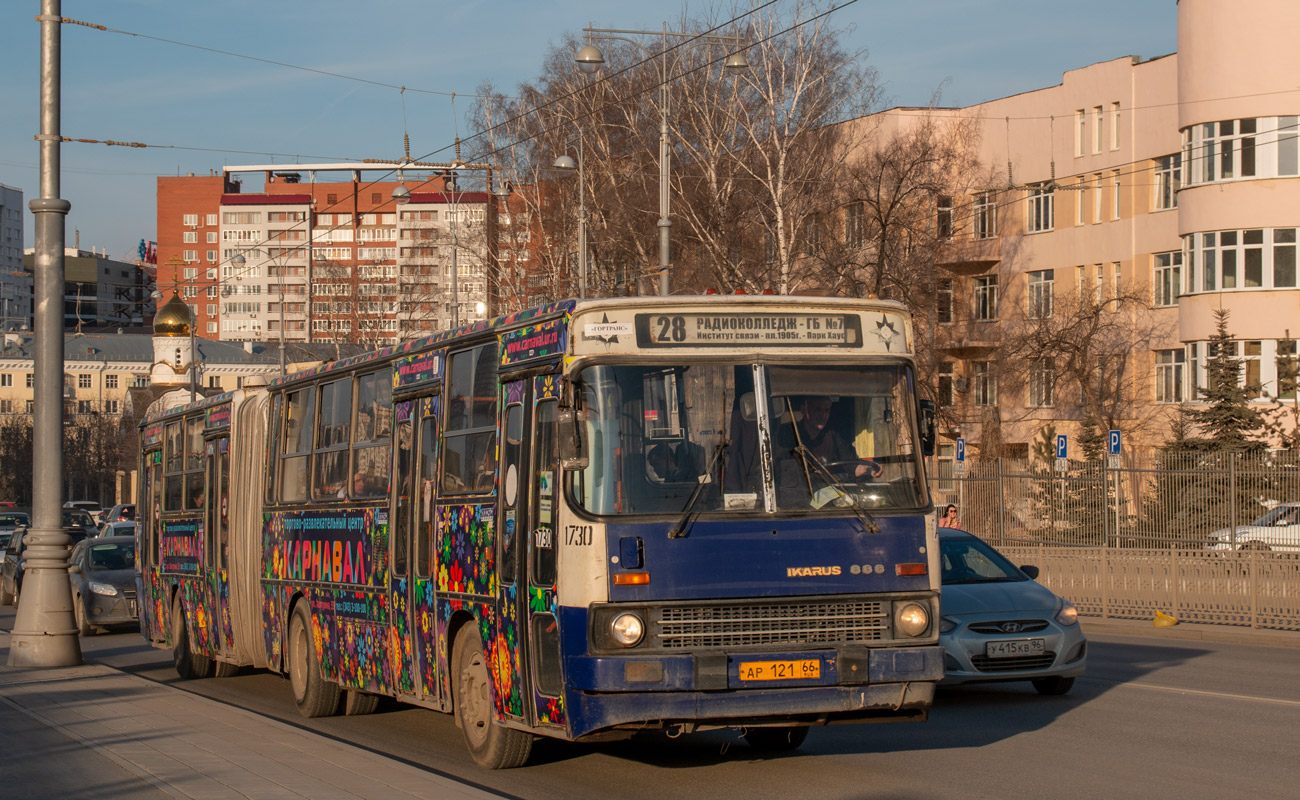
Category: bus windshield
[838,437]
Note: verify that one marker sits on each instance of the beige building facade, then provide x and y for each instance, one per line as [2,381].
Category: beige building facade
[1143,193]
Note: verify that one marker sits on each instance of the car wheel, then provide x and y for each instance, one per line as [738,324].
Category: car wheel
[1055,685]
[1256,546]
[490,744]
[358,704]
[314,696]
[189,664]
[79,613]
[776,740]
[6,599]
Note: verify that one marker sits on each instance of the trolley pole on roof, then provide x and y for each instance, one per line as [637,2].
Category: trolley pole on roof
[45,634]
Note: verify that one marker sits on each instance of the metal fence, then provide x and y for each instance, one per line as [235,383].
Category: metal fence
[1209,538]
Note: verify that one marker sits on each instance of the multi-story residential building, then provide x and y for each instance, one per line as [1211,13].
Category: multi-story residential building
[325,261]
[15,279]
[101,292]
[1128,204]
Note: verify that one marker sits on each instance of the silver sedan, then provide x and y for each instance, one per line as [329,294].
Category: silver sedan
[999,624]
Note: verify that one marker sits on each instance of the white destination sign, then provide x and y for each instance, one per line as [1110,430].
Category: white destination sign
[752,330]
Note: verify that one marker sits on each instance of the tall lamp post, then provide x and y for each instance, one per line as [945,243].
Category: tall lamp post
[590,60]
[238,261]
[566,163]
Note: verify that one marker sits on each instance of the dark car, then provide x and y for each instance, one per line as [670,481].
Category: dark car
[122,512]
[78,524]
[102,572]
[11,569]
[11,521]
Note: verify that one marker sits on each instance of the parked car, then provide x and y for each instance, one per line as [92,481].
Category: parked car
[91,507]
[117,529]
[1279,529]
[122,512]
[11,568]
[102,572]
[998,624]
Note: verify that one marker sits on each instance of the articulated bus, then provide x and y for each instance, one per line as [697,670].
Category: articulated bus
[578,521]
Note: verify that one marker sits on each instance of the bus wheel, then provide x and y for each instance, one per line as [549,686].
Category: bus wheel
[189,664]
[314,696]
[776,740]
[358,704]
[491,745]
[226,670]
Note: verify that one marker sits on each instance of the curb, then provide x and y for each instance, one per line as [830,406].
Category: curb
[1190,631]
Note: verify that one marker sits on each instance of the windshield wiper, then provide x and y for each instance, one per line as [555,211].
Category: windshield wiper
[810,458]
[679,530]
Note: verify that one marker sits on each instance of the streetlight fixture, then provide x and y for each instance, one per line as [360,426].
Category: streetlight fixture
[590,60]
[566,163]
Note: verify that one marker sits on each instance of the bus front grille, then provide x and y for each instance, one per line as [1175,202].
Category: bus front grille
[749,625]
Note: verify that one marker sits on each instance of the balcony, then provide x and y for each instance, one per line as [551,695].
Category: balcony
[966,254]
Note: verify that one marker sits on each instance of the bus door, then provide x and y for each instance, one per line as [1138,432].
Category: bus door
[216,524]
[411,590]
[527,545]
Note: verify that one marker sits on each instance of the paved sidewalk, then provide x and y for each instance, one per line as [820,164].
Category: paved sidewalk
[1232,634]
[171,743]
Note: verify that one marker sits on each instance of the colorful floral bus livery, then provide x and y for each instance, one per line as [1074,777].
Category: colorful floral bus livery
[587,518]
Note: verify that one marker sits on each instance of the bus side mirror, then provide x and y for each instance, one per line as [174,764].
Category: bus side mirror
[927,418]
[573,446]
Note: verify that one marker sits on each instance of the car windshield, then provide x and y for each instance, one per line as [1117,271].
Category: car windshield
[972,561]
[1282,515]
[837,436]
[75,516]
[112,556]
[13,520]
[5,537]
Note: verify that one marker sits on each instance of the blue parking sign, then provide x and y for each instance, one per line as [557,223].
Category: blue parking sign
[1062,446]
[961,449]
[1114,443]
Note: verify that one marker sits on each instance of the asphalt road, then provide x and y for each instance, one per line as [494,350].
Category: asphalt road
[1152,719]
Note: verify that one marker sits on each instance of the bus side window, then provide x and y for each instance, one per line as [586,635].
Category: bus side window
[372,435]
[273,439]
[194,472]
[174,466]
[469,446]
[332,440]
[295,447]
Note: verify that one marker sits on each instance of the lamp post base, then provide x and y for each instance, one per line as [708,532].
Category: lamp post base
[45,632]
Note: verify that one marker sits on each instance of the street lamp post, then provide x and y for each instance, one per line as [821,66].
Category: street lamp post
[565,162]
[44,632]
[237,262]
[590,60]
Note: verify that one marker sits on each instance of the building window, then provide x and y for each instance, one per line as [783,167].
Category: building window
[212,219]
[1170,366]
[986,297]
[1252,355]
[112,407]
[139,381]
[943,218]
[943,301]
[1081,199]
[1040,208]
[190,219]
[1241,259]
[212,327]
[31,406]
[1097,122]
[945,384]
[855,225]
[214,381]
[332,199]
[1041,293]
[1114,194]
[110,381]
[1287,373]
[1098,286]
[1169,179]
[1166,278]
[6,406]
[212,257]
[986,216]
[1284,257]
[1080,131]
[1117,281]
[189,273]
[31,380]
[1097,198]
[1114,125]
[85,381]
[84,407]
[1042,379]
[6,379]
[984,383]
[190,237]
[212,237]
[190,256]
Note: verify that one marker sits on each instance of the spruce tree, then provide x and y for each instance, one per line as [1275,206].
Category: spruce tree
[1227,421]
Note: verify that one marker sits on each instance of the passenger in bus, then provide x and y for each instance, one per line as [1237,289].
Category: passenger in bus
[666,464]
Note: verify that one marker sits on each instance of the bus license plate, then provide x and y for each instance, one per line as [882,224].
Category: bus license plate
[1024,647]
[799,669]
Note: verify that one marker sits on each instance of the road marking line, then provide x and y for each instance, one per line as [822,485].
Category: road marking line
[1200,692]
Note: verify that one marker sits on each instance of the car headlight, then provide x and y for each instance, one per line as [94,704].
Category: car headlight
[627,629]
[103,588]
[947,624]
[912,619]
[1068,615]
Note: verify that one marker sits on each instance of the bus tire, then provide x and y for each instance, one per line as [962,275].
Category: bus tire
[776,740]
[314,696]
[490,744]
[358,704]
[226,670]
[189,664]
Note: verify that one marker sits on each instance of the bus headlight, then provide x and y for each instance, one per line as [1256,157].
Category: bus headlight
[627,629]
[912,619]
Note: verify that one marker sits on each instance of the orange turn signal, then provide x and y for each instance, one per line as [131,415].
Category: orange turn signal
[911,569]
[632,578]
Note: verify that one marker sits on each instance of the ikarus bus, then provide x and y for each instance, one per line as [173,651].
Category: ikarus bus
[577,521]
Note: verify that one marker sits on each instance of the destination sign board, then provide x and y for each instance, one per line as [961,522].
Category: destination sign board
[716,329]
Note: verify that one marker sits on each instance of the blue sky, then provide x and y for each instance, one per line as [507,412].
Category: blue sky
[129,88]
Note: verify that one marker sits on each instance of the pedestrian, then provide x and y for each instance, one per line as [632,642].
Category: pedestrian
[949,518]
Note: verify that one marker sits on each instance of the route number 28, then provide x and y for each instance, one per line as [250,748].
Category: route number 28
[671,329]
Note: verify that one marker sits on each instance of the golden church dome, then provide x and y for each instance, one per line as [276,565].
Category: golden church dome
[173,319]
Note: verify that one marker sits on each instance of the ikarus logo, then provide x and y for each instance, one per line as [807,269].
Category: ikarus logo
[811,572]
